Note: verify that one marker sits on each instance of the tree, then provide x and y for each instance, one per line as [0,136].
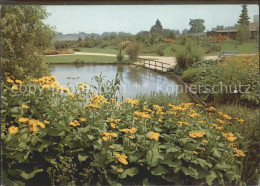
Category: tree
[220,27]
[197,25]
[244,18]
[184,31]
[133,49]
[243,34]
[24,38]
[157,28]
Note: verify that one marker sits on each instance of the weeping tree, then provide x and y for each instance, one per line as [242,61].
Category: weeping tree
[24,38]
[121,47]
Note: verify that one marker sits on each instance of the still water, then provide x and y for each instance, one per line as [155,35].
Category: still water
[134,80]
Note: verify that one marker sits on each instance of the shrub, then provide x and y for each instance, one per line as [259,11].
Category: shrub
[213,47]
[188,54]
[160,52]
[103,45]
[234,73]
[77,49]
[133,50]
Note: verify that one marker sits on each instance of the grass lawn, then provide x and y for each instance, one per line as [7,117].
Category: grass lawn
[84,58]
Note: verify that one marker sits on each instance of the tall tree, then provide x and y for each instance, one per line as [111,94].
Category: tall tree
[24,38]
[244,18]
[157,28]
[197,25]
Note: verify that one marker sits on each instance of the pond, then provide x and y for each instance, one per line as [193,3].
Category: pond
[134,80]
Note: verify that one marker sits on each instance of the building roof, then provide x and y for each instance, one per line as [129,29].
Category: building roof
[252,27]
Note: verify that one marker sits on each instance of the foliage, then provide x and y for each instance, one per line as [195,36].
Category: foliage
[219,38]
[213,47]
[24,38]
[157,28]
[119,57]
[64,44]
[197,25]
[243,33]
[234,73]
[133,50]
[105,141]
[57,52]
[188,54]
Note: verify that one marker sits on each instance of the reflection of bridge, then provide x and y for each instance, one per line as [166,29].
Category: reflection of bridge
[164,68]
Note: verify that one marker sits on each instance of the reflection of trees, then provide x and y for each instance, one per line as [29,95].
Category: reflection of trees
[120,70]
[135,75]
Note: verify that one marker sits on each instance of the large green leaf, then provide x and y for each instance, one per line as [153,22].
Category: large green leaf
[30,175]
[136,156]
[129,172]
[210,178]
[159,170]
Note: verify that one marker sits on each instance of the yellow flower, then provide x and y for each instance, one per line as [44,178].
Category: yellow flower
[104,138]
[19,82]
[113,120]
[14,87]
[204,141]
[148,110]
[119,170]
[211,109]
[93,106]
[131,137]
[220,121]
[121,158]
[154,135]
[23,120]
[229,136]
[24,106]
[136,118]
[197,134]
[241,120]
[74,123]
[142,114]
[135,101]
[182,122]
[107,134]
[111,146]
[194,115]
[160,120]
[201,122]
[195,152]
[239,153]
[10,81]
[13,130]
[112,125]
[82,119]
[46,122]
[131,131]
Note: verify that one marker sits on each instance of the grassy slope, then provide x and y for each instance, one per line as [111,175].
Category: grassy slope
[85,58]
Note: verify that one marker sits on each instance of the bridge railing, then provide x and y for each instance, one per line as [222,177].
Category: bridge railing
[158,65]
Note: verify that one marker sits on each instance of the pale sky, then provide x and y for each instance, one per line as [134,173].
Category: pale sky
[136,18]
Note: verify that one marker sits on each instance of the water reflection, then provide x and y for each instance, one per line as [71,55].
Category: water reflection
[133,80]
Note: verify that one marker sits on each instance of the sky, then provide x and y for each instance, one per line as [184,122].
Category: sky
[135,18]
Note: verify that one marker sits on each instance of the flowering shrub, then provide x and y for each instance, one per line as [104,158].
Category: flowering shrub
[219,38]
[239,73]
[90,138]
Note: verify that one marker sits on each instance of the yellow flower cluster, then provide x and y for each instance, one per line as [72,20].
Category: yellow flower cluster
[229,136]
[33,125]
[46,122]
[14,87]
[24,106]
[82,119]
[192,115]
[142,114]
[134,101]
[121,158]
[239,153]
[204,141]
[159,109]
[211,109]
[74,123]
[240,120]
[148,110]
[197,134]
[97,101]
[195,152]
[177,108]
[13,130]
[23,120]
[216,126]
[82,86]
[131,131]
[182,122]
[107,135]
[113,120]
[201,122]
[225,116]
[221,121]
[154,135]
